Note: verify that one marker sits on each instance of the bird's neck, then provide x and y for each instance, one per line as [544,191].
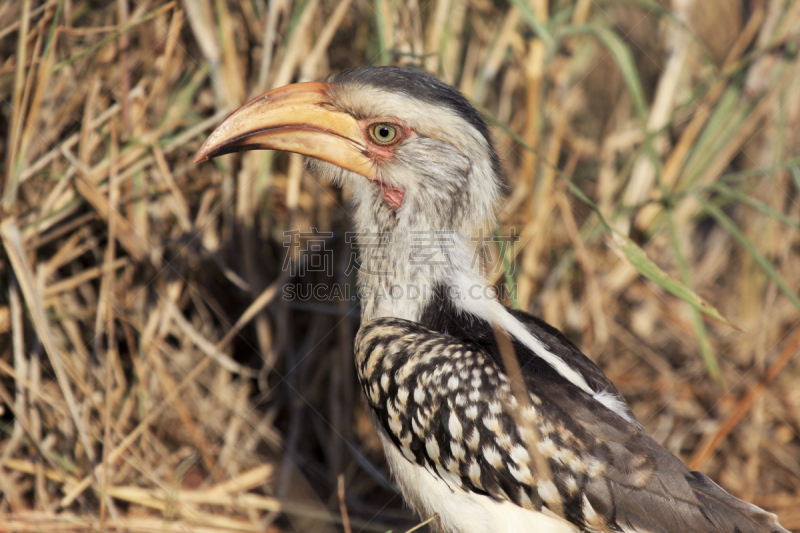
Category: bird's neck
[407,261]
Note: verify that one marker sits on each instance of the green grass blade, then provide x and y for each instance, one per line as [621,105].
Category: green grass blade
[759,206]
[653,272]
[624,59]
[153,14]
[508,271]
[383,39]
[425,523]
[654,8]
[731,227]
[735,177]
[703,342]
[796,176]
[728,115]
[534,23]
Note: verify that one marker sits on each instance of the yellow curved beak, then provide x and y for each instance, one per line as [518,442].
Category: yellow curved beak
[296,118]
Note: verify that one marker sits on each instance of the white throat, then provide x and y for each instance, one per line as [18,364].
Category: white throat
[405,258]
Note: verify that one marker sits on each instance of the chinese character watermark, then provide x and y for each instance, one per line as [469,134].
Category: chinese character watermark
[429,252]
[314,255]
[504,248]
[375,245]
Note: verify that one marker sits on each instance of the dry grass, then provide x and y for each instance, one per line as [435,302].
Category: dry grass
[152,377]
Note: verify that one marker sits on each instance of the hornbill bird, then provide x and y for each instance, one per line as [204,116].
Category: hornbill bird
[542,442]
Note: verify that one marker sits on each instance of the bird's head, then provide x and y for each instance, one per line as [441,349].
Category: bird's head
[400,140]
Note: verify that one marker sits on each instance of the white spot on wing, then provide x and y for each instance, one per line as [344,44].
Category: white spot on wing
[416,428]
[572,485]
[522,475]
[452,383]
[548,447]
[408,454]
[590,515]
[475,473]
[458,451]
[520,455]
[454,426]
[396,426]
[524,499]
[492,457]
[375,392]
[492,424]
[402,395]
[419,395]
[548,491]
[474,439]
[432,447]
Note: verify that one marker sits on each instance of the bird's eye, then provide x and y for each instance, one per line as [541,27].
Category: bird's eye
[384,133]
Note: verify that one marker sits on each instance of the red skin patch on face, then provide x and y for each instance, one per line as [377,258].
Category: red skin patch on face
[393,196]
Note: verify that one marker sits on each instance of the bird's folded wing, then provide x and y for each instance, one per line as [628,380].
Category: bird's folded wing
[448,406]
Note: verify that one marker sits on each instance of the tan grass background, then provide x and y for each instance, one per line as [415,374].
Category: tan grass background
[153,377]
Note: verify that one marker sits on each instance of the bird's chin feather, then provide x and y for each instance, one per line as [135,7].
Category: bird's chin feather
[337,176]
[392,193]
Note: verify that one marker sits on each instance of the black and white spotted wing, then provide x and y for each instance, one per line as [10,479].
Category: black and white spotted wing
[448,406]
